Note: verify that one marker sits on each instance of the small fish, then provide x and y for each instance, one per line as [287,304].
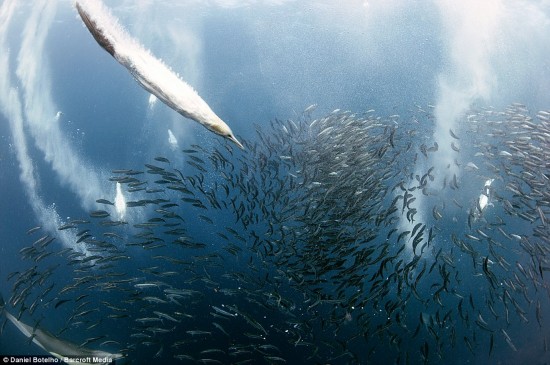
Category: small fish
[99,214]
[104,201]
[162,159]
[453,134]
[60,302]
[198,332]
[166,316]
[34,229]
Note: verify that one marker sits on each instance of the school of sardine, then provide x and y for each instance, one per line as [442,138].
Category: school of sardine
[340,240]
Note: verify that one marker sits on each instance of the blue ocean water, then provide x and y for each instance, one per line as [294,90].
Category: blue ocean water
[70,114]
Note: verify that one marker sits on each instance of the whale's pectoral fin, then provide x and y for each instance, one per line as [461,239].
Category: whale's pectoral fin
[96,32]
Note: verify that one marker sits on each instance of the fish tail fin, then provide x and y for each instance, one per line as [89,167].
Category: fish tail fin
[2,304]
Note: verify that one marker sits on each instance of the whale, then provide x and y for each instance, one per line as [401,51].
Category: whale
[55,346]
[150,72]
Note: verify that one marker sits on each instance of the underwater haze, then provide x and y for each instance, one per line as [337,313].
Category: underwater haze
[391,203]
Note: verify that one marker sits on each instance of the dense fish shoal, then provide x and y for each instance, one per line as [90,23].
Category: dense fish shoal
[349,238]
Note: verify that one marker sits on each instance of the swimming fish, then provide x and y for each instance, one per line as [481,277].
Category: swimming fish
[151,73]
[56,346]
[341,219]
